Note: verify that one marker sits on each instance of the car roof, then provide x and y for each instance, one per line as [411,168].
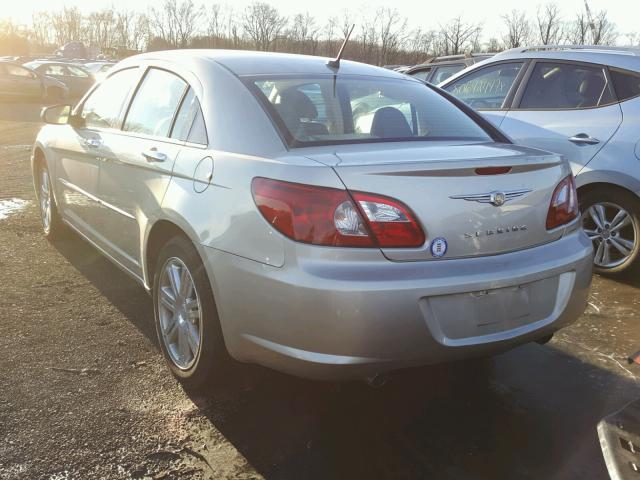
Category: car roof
[621,57]
[243,62]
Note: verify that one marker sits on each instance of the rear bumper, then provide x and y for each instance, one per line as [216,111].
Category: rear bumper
[326,317]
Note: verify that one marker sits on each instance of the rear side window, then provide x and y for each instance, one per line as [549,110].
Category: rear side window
[556,86]
[19,71]
[189,124]
[421,74]
[487,87]
[76,72]
[626,84]
[104,107]
[155,103]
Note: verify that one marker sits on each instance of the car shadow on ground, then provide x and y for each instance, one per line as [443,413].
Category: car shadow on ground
[528,413]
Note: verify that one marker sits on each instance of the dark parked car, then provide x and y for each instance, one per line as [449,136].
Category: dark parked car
[17,81]
[438,69]
[77,78]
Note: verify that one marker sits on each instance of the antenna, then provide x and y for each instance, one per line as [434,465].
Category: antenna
[335,63]
[592,25]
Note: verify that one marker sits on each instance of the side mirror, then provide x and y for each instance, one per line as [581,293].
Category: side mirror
[56,114]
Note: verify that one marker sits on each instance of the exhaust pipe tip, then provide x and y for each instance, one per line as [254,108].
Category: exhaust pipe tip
[378,380]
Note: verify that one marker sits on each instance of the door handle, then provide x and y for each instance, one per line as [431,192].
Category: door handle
[92,142]
[583,138]
[153,155]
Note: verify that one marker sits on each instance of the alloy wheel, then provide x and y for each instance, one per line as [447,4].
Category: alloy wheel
[180,314]
[613,233]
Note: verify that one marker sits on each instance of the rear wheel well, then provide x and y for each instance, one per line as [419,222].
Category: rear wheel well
[161,232]
[589,187]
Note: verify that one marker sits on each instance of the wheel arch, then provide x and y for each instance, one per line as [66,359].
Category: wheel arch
[608,179]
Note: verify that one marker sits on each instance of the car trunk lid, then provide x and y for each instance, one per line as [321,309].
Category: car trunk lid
[464,210]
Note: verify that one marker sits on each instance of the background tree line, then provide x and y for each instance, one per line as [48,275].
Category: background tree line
[381,37]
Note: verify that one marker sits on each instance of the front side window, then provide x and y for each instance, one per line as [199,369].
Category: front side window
[353,109]
[446,71]
[104,107]
[487,87]
[626,84]
[566,86]
[17,71]
[155,103]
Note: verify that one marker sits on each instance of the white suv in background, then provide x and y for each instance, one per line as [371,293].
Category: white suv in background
[583,102]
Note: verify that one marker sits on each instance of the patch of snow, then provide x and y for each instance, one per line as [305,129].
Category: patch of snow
[10,206]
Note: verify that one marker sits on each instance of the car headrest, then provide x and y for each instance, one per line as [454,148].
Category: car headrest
[389,122]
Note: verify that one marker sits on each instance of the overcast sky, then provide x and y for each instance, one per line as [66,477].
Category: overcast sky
[421,13]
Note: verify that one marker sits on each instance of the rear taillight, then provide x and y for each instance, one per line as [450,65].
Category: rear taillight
[330,216]
[564,204]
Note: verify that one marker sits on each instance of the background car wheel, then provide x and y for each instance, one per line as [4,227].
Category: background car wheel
[611,219]
[186,318]
[52,224]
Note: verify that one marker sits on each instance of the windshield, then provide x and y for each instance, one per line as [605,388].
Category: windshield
[326,110]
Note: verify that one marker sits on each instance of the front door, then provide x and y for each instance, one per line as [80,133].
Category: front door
[566,108]
[80,151]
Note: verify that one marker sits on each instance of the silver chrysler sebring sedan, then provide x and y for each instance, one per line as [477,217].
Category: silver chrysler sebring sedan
[330,220]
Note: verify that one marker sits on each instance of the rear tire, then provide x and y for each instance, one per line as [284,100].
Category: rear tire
[186,317]
[52,225]
[611,219]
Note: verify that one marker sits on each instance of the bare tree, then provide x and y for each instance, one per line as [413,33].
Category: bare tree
[215,25]
[550,31]
[175,22]
[518,29]
[263,24]
[41,29]
[304,34]
[603,31]
[578,31]
[457,36]
[392,33]
[67,25]
[494,45]
[419,45]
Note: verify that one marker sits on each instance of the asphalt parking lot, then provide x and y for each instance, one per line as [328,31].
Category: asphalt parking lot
[84,392]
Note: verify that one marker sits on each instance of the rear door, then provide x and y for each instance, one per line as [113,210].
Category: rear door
[489,89]
[565,107]
[138,163]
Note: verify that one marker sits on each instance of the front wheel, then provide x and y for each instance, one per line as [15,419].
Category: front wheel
[52,224]
[611,219]
[186,318]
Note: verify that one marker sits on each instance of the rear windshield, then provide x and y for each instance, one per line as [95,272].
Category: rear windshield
[328,110]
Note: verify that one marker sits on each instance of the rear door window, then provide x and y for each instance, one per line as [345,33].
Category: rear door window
[487,87]
[104,106]
[17,71]
[557,86]
[155,103]
[626,84]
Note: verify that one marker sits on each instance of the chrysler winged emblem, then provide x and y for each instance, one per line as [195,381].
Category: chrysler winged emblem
[495,198]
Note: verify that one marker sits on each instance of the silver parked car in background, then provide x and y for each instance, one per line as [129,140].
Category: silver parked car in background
[582,102]
[326,220]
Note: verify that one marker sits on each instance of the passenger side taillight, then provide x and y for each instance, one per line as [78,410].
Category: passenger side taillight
[330,216]
[564,204]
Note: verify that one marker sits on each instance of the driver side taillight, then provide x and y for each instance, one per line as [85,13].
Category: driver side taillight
[564,204]
[335,217]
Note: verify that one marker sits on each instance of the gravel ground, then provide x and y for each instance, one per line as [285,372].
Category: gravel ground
[84,392]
